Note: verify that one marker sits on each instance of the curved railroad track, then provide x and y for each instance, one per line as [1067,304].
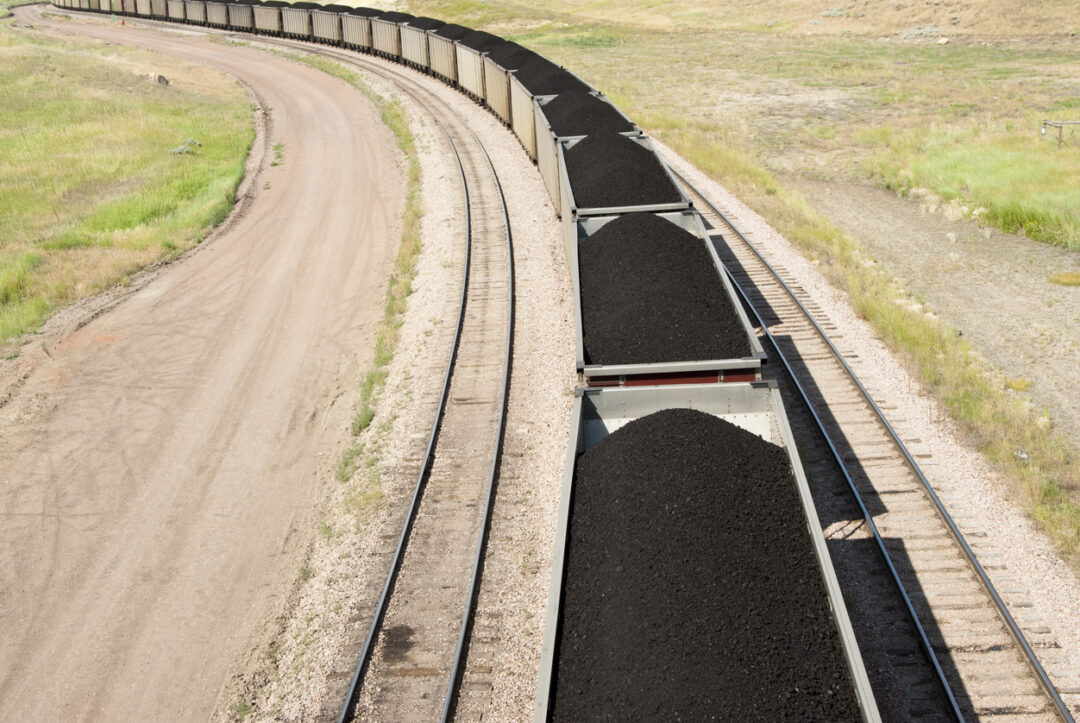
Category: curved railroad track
[982,662]
[413,657]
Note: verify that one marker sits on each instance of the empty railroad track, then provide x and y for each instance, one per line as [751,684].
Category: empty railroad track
[413,658]
[976,660]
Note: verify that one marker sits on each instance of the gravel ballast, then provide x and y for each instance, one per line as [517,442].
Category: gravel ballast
[692,591]
[610,170]
[650,292]
[580,113]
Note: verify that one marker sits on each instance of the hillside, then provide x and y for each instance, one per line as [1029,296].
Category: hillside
[910,18]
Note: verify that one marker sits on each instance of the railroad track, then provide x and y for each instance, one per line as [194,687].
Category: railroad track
[413,657]
[981,662]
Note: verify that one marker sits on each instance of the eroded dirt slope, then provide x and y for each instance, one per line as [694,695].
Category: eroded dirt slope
[159,466]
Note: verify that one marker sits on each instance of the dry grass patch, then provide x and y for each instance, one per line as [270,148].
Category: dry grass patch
[103,170]
[1066,278]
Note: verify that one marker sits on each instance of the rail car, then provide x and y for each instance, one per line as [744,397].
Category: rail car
[267,17]
[242,15]
[416,42]
[386,34]
[175,11]
[356,28]
[534,97]
[326,23]
[757,408]
[195,12]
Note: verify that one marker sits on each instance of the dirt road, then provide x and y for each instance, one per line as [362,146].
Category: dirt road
[159,466]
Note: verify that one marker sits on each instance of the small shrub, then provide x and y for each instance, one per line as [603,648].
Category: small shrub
[362,420]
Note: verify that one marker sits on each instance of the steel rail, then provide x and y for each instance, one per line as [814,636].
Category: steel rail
[356,683]
[999,604]
[453,687]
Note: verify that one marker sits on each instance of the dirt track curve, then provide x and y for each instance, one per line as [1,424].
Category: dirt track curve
[159,466]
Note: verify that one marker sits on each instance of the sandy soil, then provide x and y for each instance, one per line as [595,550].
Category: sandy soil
[160,460]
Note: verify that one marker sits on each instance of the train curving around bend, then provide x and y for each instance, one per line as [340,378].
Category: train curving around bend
[733,631]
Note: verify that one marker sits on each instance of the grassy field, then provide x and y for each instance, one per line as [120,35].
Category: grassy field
[102,169]
[759,103]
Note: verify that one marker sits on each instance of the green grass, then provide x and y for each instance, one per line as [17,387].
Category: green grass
[1023,183]
[102,170]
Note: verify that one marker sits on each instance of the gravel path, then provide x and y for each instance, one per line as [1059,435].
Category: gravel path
[957,267]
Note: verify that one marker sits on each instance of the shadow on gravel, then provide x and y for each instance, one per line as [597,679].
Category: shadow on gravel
[905,684]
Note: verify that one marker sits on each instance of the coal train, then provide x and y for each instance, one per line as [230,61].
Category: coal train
[658,327]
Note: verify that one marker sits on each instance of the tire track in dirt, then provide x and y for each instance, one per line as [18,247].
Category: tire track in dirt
[160,463]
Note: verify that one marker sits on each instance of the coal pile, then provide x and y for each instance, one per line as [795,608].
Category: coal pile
[426,23]
[651,293]
[452,31]
[580,113]
[608,170]
[692,591]
[394,17]
[362,12]
[540,76]
[480,41]
[511,56]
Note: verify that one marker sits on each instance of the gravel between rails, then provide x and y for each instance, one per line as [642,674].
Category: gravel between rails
[651,293]
[692,590]
[610,170]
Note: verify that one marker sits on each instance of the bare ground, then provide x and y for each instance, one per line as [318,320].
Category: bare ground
[992,287]
[160,461]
